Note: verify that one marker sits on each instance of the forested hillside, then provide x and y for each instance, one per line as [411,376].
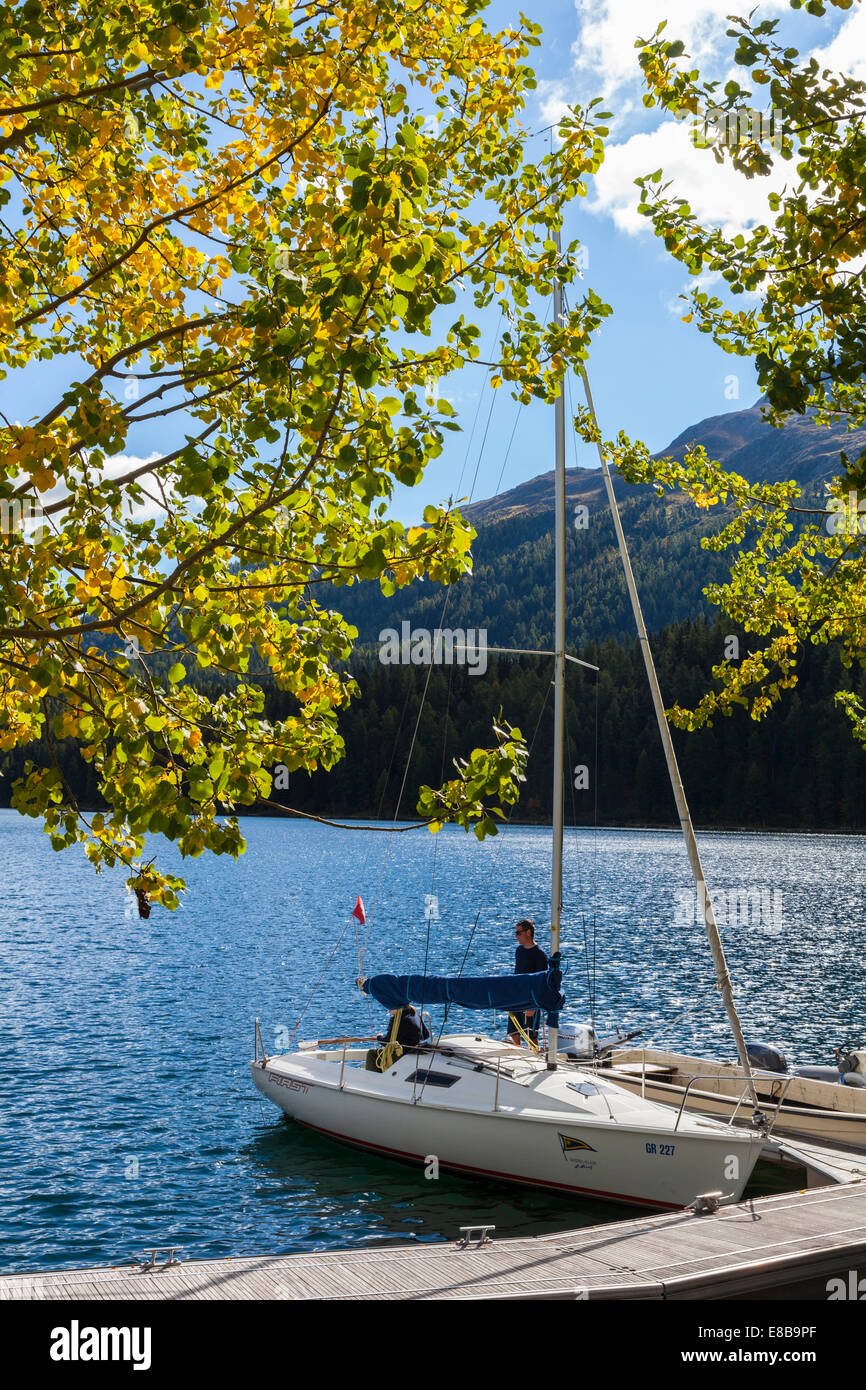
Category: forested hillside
[798,768]
[510,592]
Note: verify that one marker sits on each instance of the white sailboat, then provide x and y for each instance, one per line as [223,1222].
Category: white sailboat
[478,1106]
[488,1109]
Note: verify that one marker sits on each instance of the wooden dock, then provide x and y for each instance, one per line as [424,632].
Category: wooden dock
[756,1249]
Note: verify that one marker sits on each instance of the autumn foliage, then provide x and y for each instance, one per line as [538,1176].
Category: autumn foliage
[256,234]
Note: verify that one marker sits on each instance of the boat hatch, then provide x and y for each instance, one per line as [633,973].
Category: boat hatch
[586,1088]
[433,1078]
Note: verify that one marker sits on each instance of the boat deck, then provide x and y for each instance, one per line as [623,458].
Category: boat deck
[756,1248]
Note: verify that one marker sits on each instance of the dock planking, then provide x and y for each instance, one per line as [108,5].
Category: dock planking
[756,1248]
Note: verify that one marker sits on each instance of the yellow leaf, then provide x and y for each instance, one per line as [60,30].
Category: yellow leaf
[43,478]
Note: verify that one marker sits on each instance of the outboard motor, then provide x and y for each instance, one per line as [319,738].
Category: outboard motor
[848,1071]
[852,1065]
[578,1040]
[766,1058]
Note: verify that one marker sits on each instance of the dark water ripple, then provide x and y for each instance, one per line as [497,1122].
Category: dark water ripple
[127,1117]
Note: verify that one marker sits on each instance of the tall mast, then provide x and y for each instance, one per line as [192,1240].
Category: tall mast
[559,672]
[722,974]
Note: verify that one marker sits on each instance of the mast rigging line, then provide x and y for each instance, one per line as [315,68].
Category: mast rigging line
[496,334]
[493,395]
[393,826]
[430,667]
[590,980]
[445,604]
[429,914]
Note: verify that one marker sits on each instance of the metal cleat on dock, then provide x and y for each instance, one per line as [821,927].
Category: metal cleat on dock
[469,1231]
[150,1266]
[706,1203]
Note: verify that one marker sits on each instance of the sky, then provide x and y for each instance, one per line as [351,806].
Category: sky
[651,374]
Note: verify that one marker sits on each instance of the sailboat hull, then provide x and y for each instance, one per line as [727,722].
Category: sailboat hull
[526,1131]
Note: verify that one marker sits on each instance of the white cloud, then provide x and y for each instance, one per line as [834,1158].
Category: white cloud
[847,52]
[554,101]
[715,192]
[117,467]
[147,510]
[604,52]
[677,306]
[605,63]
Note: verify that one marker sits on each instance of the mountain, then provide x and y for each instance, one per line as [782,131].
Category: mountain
[741,440]
[510,592]
[746,444]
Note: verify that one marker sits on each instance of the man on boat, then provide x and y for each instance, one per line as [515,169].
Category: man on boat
[411,1030]
[528,960]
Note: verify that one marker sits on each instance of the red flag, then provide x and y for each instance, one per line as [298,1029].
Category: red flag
[358,911]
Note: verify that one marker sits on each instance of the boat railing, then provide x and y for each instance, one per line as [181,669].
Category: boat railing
[713,1076]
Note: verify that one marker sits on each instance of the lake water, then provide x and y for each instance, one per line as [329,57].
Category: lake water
[127,1114]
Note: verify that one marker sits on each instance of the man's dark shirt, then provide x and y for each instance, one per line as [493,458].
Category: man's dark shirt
[411,1032]
[529,960]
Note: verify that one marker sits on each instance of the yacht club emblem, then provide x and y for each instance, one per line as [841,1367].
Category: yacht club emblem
[571,1146]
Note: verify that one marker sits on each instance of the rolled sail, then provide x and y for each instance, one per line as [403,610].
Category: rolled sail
[507,992]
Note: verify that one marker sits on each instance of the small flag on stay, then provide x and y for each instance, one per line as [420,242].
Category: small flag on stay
[358,911]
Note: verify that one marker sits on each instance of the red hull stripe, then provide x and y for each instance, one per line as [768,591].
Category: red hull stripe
[492,1172]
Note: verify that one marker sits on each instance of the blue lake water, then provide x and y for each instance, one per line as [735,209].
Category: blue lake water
[127,1116]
